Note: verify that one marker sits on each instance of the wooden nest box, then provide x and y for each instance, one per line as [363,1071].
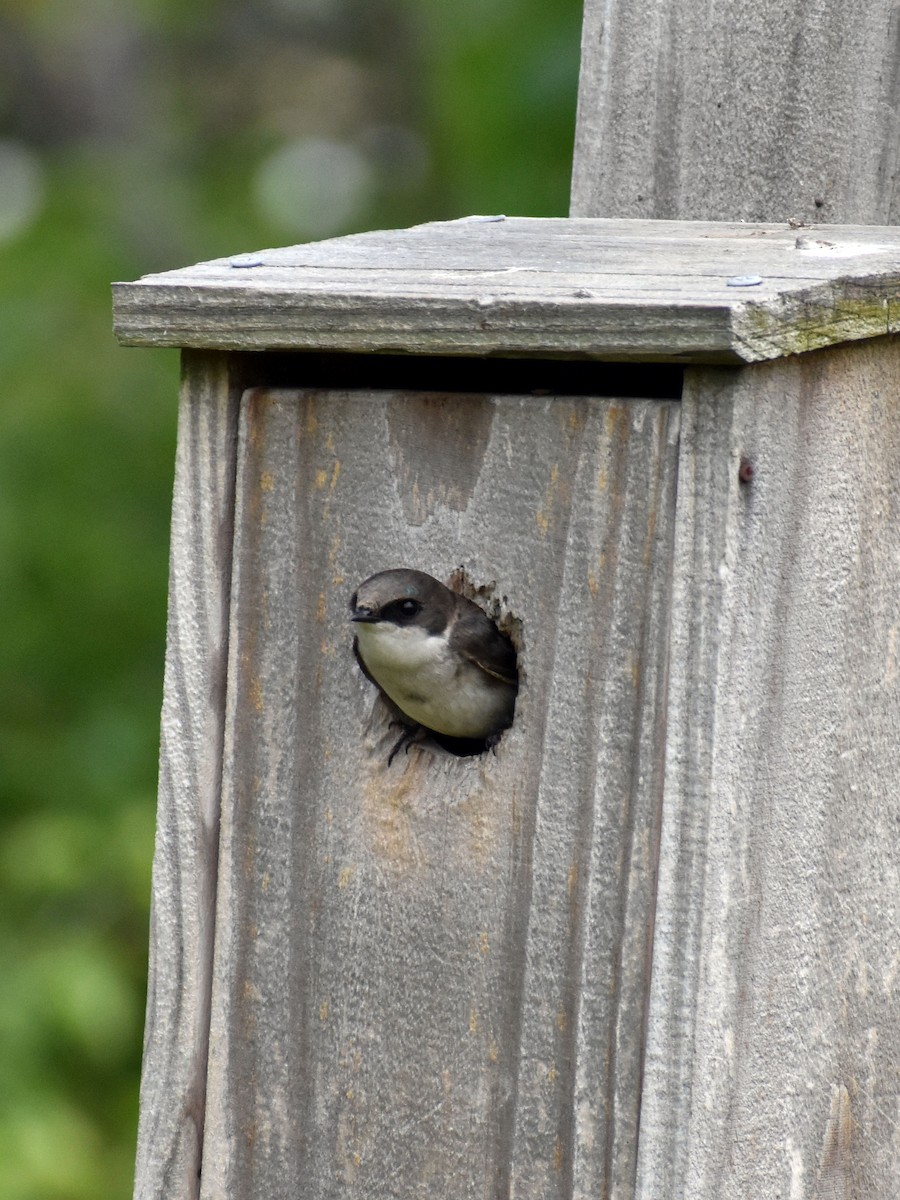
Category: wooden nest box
[648,947]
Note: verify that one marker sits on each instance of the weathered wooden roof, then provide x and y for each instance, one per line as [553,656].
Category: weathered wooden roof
[678,291]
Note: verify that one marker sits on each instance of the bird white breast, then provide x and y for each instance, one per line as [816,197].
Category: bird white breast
[428,683]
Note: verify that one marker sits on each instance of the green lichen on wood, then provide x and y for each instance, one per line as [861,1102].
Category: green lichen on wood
[800,323]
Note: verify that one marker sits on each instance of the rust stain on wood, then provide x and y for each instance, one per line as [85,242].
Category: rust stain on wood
[833,1181]
[388,807]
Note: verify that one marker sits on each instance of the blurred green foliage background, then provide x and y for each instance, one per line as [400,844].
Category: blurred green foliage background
[140,136]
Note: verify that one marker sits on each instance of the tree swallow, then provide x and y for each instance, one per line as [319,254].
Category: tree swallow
[437,656]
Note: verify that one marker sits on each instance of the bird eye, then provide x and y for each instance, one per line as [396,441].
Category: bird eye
[400,611]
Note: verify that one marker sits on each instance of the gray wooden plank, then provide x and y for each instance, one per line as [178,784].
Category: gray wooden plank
[431,978]
[614,290]
[765,111]
[773,1047]
[551,245]
[173,1082]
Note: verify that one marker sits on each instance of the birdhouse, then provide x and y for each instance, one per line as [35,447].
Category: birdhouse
[652,931]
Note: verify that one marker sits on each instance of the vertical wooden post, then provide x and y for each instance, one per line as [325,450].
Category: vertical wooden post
[773,1012]
[778,110]
[773,995]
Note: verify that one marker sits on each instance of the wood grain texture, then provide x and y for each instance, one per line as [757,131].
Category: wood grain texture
[773,1044]
[431,978]
[733,111]
[615,290]
[173,1083]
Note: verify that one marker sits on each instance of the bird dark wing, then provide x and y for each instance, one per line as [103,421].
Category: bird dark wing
[479,640]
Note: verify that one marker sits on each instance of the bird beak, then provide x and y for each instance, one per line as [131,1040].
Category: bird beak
[365,614]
